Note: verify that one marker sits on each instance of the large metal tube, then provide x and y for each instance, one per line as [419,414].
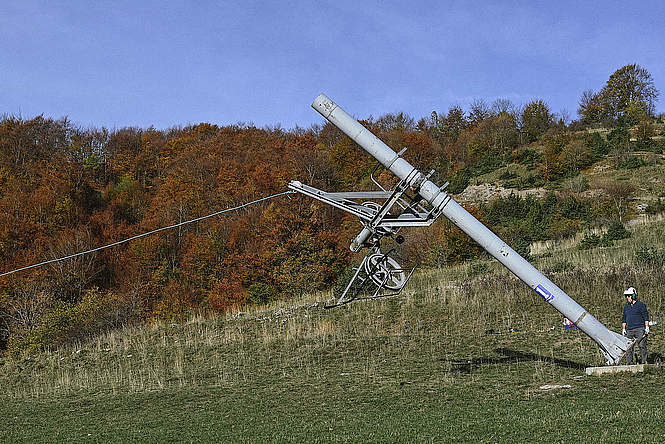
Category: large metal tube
[612,345]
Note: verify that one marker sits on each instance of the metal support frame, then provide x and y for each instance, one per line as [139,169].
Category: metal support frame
[412,214]
[384,214]
[364,274]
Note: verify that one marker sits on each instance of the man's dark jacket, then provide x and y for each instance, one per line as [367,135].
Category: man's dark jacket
[635,315]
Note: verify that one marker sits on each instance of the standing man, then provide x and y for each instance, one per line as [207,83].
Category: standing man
[635,323]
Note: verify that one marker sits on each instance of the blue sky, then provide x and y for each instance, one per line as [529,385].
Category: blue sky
[149,63]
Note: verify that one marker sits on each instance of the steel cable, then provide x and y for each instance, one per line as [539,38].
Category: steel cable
[216,213]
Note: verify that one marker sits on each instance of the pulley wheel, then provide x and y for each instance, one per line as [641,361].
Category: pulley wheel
[385,272]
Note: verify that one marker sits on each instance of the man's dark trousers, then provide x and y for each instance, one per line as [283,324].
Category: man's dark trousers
[637,333]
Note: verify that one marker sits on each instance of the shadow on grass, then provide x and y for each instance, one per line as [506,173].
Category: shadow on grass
[654,358]
[509,357]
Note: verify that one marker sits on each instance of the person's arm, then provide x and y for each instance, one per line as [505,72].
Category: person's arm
[645,317]
[623,321]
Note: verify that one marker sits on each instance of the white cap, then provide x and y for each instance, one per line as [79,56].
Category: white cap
[630,291]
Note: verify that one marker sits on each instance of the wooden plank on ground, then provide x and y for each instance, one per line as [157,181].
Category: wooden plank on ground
[596,371]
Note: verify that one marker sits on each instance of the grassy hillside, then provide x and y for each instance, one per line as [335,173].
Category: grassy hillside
[647,178]
[436,364]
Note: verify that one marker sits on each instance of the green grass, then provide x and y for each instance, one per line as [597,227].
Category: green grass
[490,404]
[416,368]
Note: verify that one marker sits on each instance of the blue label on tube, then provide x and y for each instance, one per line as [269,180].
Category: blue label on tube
[544,293]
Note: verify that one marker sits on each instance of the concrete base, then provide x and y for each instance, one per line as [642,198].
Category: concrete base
[596,371]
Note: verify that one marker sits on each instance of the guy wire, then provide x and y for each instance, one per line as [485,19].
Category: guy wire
[216,213]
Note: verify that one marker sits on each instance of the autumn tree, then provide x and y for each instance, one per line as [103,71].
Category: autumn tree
[629,93]
[628,86]
[591,108]
[71,277]
[22,308]
[502,106]
[392,126]
[122,148]
[553,162]
[536,120]
[620,194]
[576,156]
[479,111]
[447,127]
[350,163]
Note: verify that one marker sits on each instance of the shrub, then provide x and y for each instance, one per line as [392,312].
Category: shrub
[619,137]
[574,208]
[344,279]
[486,163]
[459,182]
[533,180]
[22,308]
[523,248]
[507,175]
[657,207]
[629,162]
[605,242]
[649,256]
[658,145]
[578,184]
[589,241]
[616,231]
[56,327]
[562,227]
[560,265]
[529,157]
[599,146]
[477,269]
[260,293]
[68,322]
[645,144]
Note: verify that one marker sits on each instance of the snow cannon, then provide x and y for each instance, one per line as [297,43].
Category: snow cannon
[419,201]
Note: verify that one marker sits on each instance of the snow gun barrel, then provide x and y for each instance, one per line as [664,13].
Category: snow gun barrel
[612,345]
